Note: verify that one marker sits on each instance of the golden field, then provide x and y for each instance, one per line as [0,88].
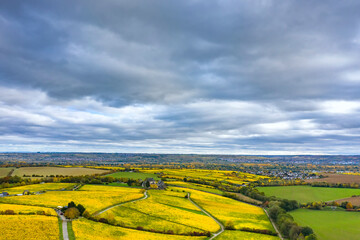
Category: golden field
[85,230]
[24,209]
[93,198]
[28,227]
[47,171]
[226,209]
[38,187]
[163,211]
[227,235]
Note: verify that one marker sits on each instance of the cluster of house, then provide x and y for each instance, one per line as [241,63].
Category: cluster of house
[151,183]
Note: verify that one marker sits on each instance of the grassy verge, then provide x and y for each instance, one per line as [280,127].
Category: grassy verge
[70,231]
[60,229]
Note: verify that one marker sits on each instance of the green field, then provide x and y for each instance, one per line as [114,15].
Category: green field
[4,171]
[304,194]
[47,171]
[134,175]
[330,225]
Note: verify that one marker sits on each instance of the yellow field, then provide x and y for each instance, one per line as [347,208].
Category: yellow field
[38,187]
[226,209]
[212,175]
[23,209]
[195,186]
[244,235]
[162,211]
[85,230]
[93,198]
[47,171]
[30,227]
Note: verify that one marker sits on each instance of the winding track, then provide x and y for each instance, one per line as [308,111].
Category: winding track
[106,209]
[222,228]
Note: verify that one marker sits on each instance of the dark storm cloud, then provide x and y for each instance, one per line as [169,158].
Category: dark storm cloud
[202,76]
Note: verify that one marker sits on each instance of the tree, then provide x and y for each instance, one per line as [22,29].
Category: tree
[81,208]
[306,231]
[72,213]
[71,204]
[311,237]
[229,225]
[349,205]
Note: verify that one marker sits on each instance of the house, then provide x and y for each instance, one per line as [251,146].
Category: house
[151,183]
[5,194]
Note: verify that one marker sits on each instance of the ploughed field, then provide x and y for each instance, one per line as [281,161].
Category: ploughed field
[305,194]
[165,214]
[48,171]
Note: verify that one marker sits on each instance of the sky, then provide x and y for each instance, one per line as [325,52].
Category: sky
[195,76]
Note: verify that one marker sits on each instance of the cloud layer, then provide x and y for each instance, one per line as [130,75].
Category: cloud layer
[251,77]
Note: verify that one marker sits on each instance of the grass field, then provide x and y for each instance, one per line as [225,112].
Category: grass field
[93,197]
[4,171]
[38,187]
[226,209]
[163,211]
[47,171]
[85,230]
[330,225]
[23,209]
[29,227]
[134,175]
[194,186]
[244,235]
[304,194]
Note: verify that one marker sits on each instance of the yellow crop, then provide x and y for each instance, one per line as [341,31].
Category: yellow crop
[93,198]
[85,230]
[226,209]
[245,235]
[26,209]
[162,211]
[37,187]
[26,227]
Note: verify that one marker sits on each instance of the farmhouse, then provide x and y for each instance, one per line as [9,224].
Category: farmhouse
[151,183]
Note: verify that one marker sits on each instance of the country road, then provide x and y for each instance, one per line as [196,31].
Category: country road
[222,228]
[64,225]
[106,209]
[278,232]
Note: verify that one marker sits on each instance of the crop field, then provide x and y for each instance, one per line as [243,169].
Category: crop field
[195,186]
[29,227]
[304,194]
[225,209]
[355,201]
[38,187]
[85,229]
[330,225]
[163,211]
[47,171]
[4,171]
[24,209]
[211,175]
[337,178]
[245,235]
[134,175]
[94,198]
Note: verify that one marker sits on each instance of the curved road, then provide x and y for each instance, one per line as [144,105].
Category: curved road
[106,209]
[222,228]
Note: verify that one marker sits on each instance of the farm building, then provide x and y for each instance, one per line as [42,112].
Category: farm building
[151,183]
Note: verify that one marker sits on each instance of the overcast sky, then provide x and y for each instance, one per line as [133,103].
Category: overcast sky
[235,77]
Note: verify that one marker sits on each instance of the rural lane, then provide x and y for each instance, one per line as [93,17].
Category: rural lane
[64,225]
[222,228]
[106,209]
[278,232]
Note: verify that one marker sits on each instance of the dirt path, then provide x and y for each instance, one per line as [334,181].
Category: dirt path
[64,225]
[106,209]
[277,231]
[222,228]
